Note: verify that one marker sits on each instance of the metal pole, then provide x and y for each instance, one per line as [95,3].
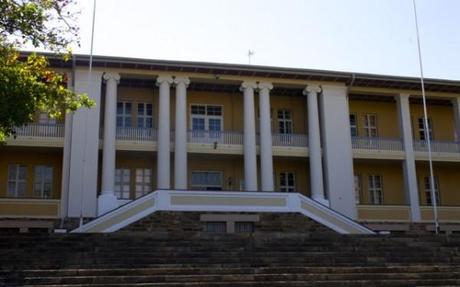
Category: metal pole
[426,128]
[90,70]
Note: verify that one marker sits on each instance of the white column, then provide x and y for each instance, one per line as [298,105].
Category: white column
[456,105]
[66,156]
[314,145]
[266,153]
[337,151]
[180,152]
[84,151]
[410,176]
[163,158]
[107,200]
[250,164]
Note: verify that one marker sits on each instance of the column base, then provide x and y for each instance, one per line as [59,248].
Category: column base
[322,200]
[106,202]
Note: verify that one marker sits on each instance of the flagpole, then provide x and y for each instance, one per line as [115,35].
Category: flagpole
[90,70]
[426,128]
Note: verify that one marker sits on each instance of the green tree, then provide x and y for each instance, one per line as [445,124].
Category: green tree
[28,84]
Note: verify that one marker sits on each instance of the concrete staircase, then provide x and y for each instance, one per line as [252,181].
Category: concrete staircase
[268,259]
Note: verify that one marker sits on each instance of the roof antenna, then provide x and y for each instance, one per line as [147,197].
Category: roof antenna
[250,54]
[427,129]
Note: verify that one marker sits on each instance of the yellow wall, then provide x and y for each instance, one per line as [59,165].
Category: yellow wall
[133,160]
[31,158]
[232,106]
[448,176]
[387,117]
[301,172]
[442,118]
[392,176]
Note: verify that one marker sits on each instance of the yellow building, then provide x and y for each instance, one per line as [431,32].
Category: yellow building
[183,136]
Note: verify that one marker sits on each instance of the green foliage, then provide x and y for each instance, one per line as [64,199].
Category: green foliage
[27,84]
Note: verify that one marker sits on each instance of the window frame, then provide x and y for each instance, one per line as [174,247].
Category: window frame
[207,186]
[421,130]
[144,116]
[427,190]
[40,193]
[121,183]
[287,123]
[355,126]
[358,187]
[368,129]
[206,116]
[287,187]
[375,192]
[17,180]
[143,183]
[124,115]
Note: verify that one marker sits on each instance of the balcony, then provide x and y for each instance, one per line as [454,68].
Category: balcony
[231,142]
[35,134]
[441,150]
[364,147]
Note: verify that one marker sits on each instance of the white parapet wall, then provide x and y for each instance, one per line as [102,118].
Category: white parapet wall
[218,201]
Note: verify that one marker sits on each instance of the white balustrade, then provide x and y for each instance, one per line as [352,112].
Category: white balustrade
[210,137]
[297,140]
[437,146]
[136,134]
[386,144]
[40,130]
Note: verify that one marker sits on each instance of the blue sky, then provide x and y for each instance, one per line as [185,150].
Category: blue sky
[369,36]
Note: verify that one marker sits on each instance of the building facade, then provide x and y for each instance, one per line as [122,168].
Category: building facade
[355,143]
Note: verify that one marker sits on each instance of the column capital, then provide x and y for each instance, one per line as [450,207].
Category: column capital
[111,76]
[248,84]
[184,80]
[164,79]
[265,85]
[312,89]
[404,95]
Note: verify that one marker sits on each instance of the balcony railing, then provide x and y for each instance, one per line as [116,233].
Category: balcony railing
[136,134]
[437,146]
[220,137]
[297,140]
[385,144]
[40,130]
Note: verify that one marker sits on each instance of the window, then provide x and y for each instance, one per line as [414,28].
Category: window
[143,181]
[244,227]
[207,118]
[43,181]
[287,182]
[428,197]
[44,119]
[122,183]
[284,122]
[370,125]
[207,180]
[216,227]
[375,189]
[353,125]
[17,180]
[123,114]
[421,128]
[144,115]
[357,185]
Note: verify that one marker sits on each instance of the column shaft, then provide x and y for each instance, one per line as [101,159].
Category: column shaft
[266,153]
[107,200]
[163,158]
[250,164]
[314,145]
[456,106]
[180,155]
[410,176]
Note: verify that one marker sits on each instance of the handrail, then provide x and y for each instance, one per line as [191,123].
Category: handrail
[437,146]
[210,137]
[370,143]
[297,140]
[136,134]
[40,130]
